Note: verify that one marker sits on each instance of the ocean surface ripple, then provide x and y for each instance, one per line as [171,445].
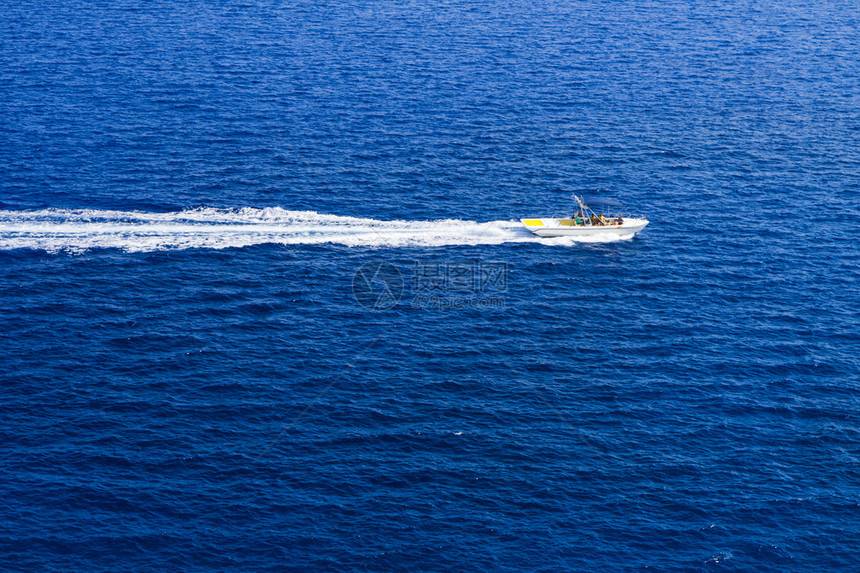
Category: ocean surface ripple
[267,305]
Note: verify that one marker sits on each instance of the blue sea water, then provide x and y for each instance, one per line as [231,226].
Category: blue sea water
[266,305]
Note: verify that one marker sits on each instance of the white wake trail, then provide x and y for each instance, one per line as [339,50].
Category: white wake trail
[78,230]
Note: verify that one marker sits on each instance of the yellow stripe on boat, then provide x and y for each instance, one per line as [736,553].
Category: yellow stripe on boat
[533,222]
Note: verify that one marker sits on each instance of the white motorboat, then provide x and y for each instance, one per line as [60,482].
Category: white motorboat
[592,218]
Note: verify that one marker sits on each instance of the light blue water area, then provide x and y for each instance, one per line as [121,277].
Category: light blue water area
[266,304]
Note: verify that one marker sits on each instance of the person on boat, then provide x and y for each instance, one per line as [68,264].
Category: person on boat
[602,220]
[620,220]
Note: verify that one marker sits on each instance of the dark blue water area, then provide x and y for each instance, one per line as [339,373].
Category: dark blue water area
[686,400]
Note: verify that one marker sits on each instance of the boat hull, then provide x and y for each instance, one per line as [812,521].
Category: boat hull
[566,228]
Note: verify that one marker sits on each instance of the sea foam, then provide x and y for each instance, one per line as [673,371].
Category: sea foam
[77,230]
